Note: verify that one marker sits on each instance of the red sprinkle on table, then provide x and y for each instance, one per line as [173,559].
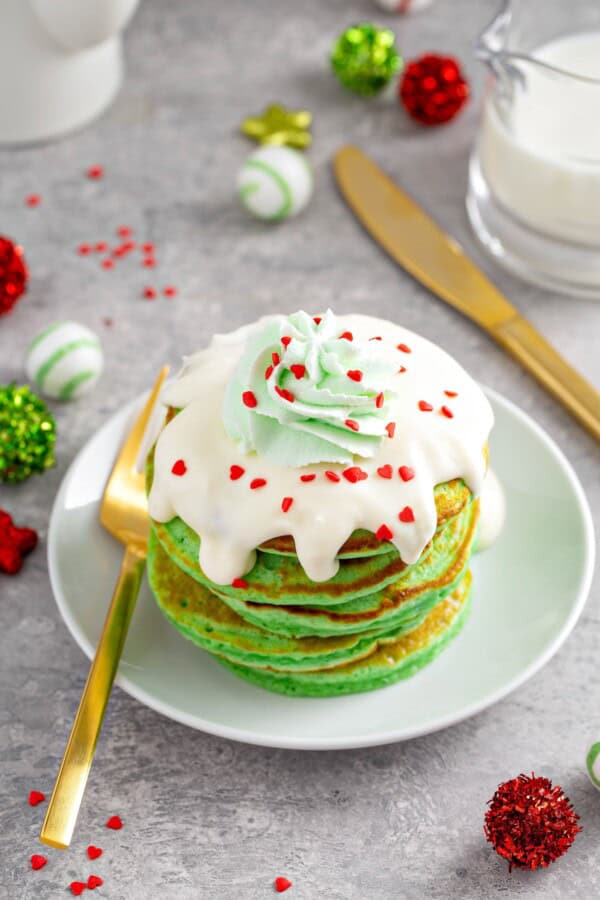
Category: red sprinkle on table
[317,320]
[249,399]
[170,290]
[406,514]
[298,370]
[401,370]
[446,411]
[239,583]
[424,406]
[451,393]
[284,394]
[101,247]
[352,425]
[286,504]
[385,471]
[406,473]
[354,374]
[94,881]
[379,400]
[275,358]
[124,231]
[94,852]
[115,823]
[404,348]
[376,338]
[108,263]
[95,172]
[257,483]
[354,474]
[236,472]
[286,340]
[148,248]
[332,476]
[36,797]
[307,478]
[384,533]
[391,429]
[282,884]
[149,293]
[149,262]
[38,861]
[346,336]
[84,249]
[33,200]
[77,887]
[268,372]
[179,467]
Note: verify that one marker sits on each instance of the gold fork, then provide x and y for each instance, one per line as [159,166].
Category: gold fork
[124,513]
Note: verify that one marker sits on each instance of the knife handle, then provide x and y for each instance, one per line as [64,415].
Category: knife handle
[521,339]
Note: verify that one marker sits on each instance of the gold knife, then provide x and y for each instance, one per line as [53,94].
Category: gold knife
[438,262]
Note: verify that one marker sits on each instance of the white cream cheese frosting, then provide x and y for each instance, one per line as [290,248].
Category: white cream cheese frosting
[417,419]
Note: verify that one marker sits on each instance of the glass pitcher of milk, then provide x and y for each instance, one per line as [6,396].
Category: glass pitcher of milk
[534,180]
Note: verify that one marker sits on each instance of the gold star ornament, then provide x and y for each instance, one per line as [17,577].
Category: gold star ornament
[278,125]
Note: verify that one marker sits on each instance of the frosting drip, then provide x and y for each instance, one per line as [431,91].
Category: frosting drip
[436,423]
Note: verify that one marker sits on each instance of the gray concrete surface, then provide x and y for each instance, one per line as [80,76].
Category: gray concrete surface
[206,818]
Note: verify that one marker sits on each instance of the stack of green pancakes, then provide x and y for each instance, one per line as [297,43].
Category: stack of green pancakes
[376,622]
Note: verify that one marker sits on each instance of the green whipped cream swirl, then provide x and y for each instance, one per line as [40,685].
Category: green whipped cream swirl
[307,391]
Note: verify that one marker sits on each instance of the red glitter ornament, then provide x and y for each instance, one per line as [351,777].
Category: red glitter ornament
[433,89]
[530,822]
[13,274]
[15,543]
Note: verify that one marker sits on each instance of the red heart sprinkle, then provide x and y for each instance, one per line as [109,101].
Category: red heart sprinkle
[446,411]
[406,514]
[354,474]
[38,861]
[84,249]
[333,476]
[77,887]
[275,358]
[149,262]
[286,340]
[179,467]
[94,881]
[33,200]
[236,472]
[384,533]
[376,338]
[115,823]
[406,473]
[391,429]
[354,374]
[317,320]
[108,263]
[148,248]
[404,348]
[149,293]
[282,884]
[379,400]
[385,471]
[306,478]
[451,393]
[124,231]
[257,483]
[284,394]
[346,336]
[424,406]
[239,583]
[286,504]
[170,290]
[249,399]
[352,425]
[95,172]
[94,852]
[36,797]
[298,370]
[268,372]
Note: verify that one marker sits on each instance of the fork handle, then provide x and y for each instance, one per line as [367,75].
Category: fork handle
[69,787]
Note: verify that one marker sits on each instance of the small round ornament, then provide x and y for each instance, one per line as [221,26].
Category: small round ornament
[403,6]
[27,434]
[365,59]
[592,762]
[13,274]
[275,183]
[433,89]
[64,360]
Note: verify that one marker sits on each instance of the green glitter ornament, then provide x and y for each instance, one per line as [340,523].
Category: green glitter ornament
[365,59]
[27,434]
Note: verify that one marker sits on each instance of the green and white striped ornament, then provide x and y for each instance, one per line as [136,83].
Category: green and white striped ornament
[275,183]
[592,762]
[64,360]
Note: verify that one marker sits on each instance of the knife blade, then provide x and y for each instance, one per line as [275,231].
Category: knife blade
[436,260]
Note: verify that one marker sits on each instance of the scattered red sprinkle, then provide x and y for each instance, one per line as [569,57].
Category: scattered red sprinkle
[354,374]
[33,200]
[384,533]
[148,249]
[77,887]
[284,394]
[391,429]
[115,823]
[286,504]
[108,263]
[286,340]
[84,249]
[101,247]
[401,370]
[149,293]
[275,358]
[124,231]
[379,400]
[298,370]
[94,881]
[127,246]
[36,797]
[108,322]
[118,252]
[94,852]
[404,348]
[179,467]
[95,172]
[406,514]
[236,472]
[406,473]
[376,338]
[451,393]
[282,884]
[346,336]
[268,372]
[257,483]
[352,425]
[424,406]
[170,291]
[317,320]
[239,583]
[354,474]
[307,478]
[385,471]
[446,411]
[149,262]
[333,476]
[249,399]
[38,861]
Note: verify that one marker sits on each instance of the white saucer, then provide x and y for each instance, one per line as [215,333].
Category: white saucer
[530,589]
